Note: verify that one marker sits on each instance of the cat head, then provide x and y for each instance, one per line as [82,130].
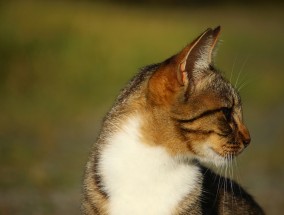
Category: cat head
[197,110]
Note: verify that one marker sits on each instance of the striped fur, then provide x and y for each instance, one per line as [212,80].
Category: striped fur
[169,118]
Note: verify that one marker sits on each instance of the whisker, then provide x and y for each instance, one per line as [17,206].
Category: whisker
[215,177]
[244,85]
[226,172]
[238,176]
[218,186]
[233,67]
[224,187]
[241,70]
[206,171]
[243,79]
[234,160]
[231,178]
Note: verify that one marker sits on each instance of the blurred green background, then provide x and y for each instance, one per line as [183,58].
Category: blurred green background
[62,63]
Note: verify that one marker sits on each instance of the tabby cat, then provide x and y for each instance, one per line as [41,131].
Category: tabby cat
[169,119]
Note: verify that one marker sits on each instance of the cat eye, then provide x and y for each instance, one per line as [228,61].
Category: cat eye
[227,113]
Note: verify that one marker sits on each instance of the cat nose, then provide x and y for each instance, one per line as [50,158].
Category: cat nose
[245,136]
[246,141]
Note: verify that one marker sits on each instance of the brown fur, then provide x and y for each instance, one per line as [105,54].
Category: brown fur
[185,106]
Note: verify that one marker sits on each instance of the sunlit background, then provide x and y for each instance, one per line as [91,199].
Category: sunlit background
[62,63]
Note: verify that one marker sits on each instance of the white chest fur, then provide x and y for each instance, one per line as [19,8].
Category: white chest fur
[143,179]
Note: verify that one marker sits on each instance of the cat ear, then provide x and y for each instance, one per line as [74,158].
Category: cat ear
[175,73]
[197,56]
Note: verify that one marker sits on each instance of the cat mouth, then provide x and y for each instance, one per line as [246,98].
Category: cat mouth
[229,151]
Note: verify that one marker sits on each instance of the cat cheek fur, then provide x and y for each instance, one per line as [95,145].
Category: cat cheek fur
[214,149]
[213,134]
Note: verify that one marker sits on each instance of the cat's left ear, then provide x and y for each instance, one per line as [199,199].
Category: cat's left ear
[197,56]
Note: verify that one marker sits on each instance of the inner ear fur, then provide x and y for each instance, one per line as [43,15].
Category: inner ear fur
[198,55]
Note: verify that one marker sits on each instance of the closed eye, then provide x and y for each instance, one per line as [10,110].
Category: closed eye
[227,113]
[203,114]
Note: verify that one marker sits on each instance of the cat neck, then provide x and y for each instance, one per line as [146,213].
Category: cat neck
[141,178]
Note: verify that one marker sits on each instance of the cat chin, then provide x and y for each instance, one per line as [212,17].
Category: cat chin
[210,156]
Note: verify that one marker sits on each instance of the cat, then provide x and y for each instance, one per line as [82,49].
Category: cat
[170,118]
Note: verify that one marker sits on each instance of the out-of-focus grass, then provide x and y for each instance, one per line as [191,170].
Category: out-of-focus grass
[63,63]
